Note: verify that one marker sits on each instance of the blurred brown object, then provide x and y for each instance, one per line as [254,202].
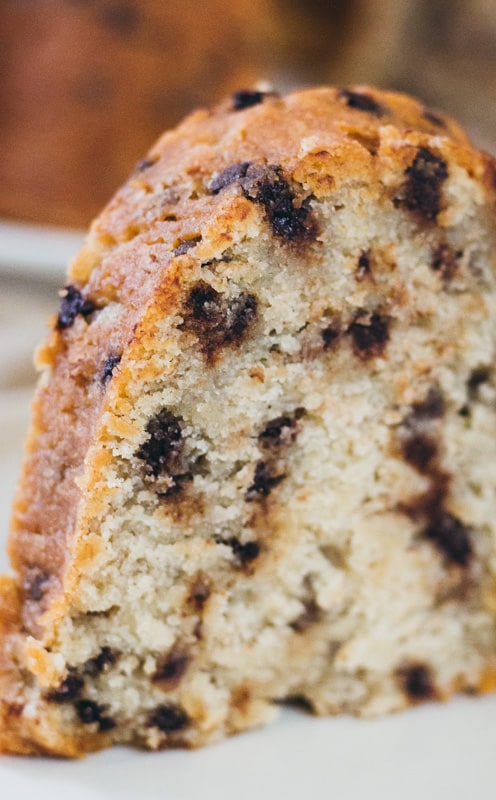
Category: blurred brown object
[448,58]
[87,85]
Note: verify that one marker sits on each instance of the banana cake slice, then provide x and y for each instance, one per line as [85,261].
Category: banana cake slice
[262,461]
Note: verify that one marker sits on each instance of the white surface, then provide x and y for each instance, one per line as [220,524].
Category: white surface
[31,250]
[432,752]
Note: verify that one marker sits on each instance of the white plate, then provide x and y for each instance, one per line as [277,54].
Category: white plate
[430,753]
[434,752]
[36,251]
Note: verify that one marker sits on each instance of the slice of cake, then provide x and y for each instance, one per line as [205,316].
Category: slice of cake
[262,463]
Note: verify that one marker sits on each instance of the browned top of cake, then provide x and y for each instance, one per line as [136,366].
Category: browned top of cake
[212,149]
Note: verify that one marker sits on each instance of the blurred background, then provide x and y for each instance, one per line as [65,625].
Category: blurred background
[87,85]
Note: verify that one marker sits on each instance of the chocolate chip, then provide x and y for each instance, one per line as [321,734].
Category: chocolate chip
[70,689]
[106,724]
[266,477]
[331,335]
[241,312]
[246,552]
[200,592]
[451,537]
[37,585]
[216,321]
[246,98]
[420,451]
[362,102]
[72,303]
[445,261]
[105,659]
[110,364]
[145,164]
[421,192]
[363,269]
[171,670]
[186,244]
[225,258]
[228,176]
[416,681]
[121,18]
[206,305]
[433,407]
[370,337]
[268,187]
[161,451]
[279,432]
[434,118]
[168,718]
[311,614]
[90,712]
[13,709]
[429,505]
[298,701]
[477,377]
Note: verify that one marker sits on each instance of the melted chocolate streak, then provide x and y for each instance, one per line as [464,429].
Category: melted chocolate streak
[450,535]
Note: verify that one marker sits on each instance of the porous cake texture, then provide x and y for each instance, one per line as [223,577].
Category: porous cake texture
[262,463]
